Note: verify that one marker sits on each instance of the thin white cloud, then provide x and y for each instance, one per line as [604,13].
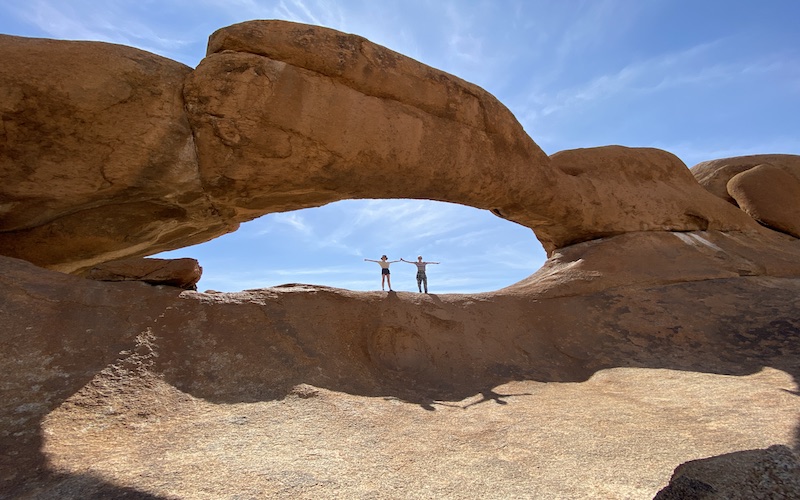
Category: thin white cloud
[67,21]
[692,154]
[306,271]
[105,21]
[297,10]
[293,220]
[462,42]
[408,218]
[647,76]
[465,239]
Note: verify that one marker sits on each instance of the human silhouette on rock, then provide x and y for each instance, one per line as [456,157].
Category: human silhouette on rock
[385,275]
[422,278]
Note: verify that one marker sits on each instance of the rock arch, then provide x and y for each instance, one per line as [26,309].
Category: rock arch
[281,116]
[288,116]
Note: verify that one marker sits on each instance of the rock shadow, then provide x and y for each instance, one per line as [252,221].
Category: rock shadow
[259,345]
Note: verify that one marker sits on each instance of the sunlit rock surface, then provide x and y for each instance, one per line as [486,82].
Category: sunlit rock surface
[183,273]
[97,159]
[141,154]
[766,187]
[663,328]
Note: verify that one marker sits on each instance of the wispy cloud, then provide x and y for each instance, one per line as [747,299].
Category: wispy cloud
[112,22]
[461,35]
[683,68]
[293,220]
[466,239]
[693,153]
[299,11]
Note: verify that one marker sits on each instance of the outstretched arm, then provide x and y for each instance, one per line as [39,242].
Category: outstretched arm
[406,261]
[432,262]
[370,260]
[392,261]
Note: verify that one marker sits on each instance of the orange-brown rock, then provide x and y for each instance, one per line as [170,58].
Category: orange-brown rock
[183,273]
[280,127]
[752,474]
[660,257]
[121,387]
[660,306]
[289,116]
[767,187]
[770,195]
[619,189]
[715,174]
[103,161]
[98,160]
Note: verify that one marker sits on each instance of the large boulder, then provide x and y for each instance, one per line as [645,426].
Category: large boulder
[769,194]
[766,187]
[715,174]
[182,273]
[618,189]
[98,160]
[772,473]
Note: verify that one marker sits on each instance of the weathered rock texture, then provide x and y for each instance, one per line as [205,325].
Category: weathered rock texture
[767,187]
[97,159]
[570,390]
[746,475]
[183,273]
[280,127]
[265,123]
[662,329]
[770,195]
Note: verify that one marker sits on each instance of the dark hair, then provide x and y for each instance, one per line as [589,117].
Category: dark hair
[384,257]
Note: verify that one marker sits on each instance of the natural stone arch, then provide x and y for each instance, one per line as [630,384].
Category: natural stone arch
[284,116]
[357,121]
[289,116]
[331,236]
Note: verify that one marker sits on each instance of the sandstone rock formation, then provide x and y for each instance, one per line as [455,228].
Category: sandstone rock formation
[265,124]
[181,394]
[715,174]
[767,187]
[621,190]
[665,318]
[183,273]
[98,160]
[770,195]
[279,128]
[745,475]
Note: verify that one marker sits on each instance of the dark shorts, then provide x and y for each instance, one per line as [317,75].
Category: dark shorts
[385,271]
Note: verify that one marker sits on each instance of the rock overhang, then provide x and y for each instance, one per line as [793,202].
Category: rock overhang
[281,116]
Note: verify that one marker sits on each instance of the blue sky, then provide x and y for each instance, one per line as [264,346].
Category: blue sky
[703,79]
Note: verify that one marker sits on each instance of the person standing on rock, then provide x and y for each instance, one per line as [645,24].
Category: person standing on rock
[421,276]
[385,276]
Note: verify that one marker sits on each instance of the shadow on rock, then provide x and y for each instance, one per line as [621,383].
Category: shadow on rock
[260,345]
[770,473]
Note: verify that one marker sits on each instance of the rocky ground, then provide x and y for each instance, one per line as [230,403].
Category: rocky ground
[655,353]
[126,390]
[618,435]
